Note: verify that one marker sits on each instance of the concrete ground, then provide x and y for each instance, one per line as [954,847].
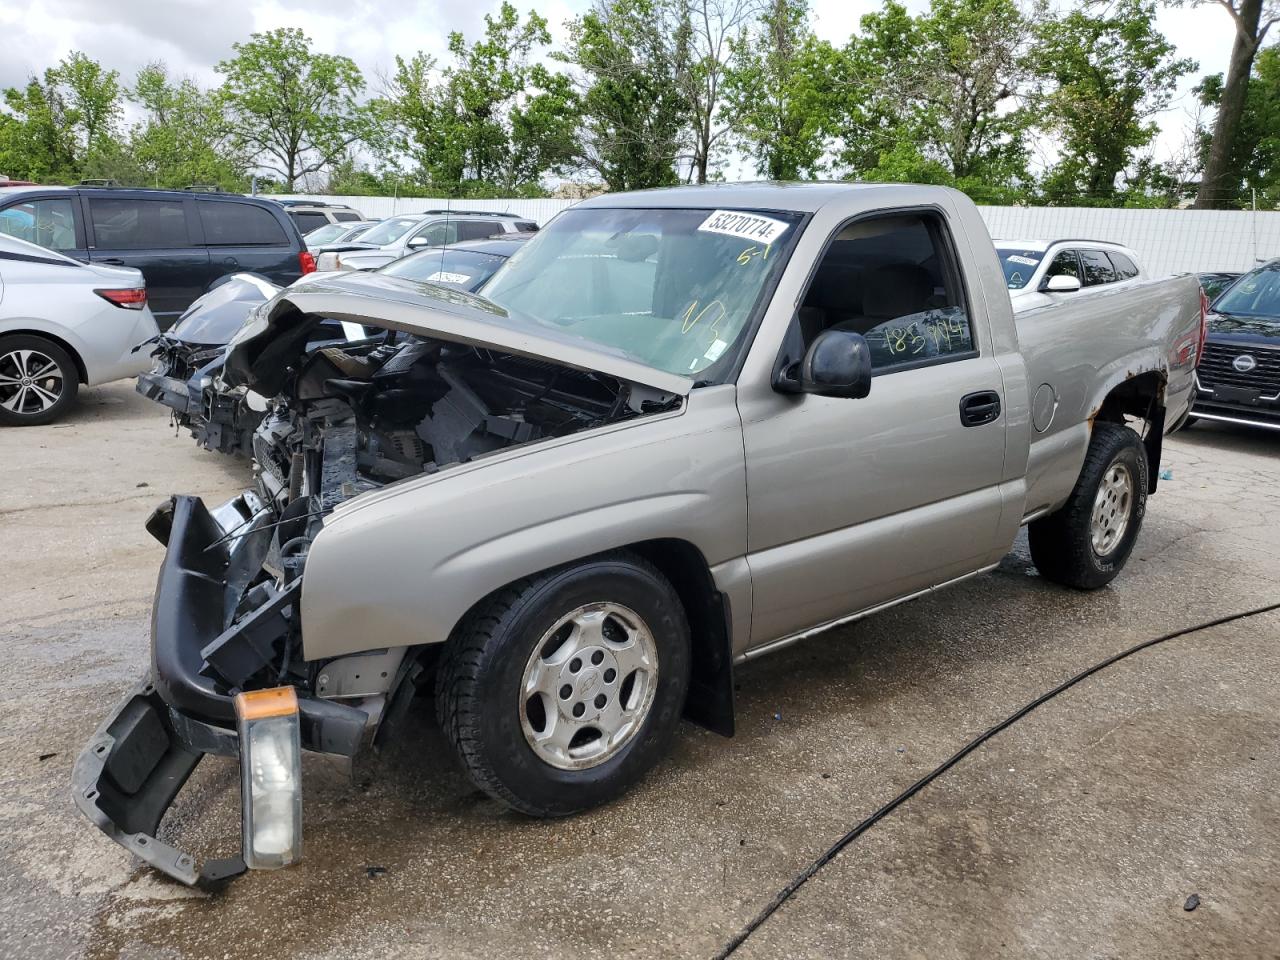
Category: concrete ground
[1080,832]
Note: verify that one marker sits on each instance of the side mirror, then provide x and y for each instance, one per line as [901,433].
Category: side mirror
[1062,283]
[837,364]
[418,242]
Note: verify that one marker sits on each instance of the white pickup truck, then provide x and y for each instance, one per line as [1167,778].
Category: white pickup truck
[678,429]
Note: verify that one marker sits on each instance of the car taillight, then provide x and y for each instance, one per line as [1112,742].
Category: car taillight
[134,299]
[307,262]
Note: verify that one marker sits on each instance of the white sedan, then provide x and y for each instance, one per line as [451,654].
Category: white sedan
[64,323]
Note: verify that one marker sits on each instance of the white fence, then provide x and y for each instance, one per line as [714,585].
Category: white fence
[1167,241]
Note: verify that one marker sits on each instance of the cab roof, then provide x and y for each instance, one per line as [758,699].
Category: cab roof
[760,195]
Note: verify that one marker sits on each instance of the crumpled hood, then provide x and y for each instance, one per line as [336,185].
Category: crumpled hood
[215,317]
[275,336]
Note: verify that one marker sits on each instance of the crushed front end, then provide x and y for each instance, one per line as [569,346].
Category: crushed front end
[224,623]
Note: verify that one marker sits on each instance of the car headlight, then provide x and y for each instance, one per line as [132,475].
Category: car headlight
[270,777]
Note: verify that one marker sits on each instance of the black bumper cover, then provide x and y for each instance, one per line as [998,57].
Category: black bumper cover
[132,769]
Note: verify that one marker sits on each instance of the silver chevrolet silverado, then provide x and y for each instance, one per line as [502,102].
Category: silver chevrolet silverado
[677,430]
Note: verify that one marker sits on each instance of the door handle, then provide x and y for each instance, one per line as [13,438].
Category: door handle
[979,408]
[113,261]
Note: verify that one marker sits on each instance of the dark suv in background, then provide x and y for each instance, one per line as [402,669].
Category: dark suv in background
[181,241]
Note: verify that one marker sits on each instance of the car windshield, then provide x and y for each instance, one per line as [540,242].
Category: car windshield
[675,289]
[1255,294]
[1019,265]
[389,231]
[359,230]
[460,269]
[330,231]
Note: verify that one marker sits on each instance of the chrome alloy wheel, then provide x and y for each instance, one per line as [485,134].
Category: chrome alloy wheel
[588,686]
[1111,508]
[30,382]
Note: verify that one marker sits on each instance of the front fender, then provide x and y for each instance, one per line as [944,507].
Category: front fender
[403,568]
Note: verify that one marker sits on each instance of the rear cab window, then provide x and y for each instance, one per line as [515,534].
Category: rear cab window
[228,223]
[127,223]
[895,280]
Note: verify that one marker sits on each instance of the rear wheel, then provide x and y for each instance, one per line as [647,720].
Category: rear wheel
[1086,543]
[38,380]
[562,689]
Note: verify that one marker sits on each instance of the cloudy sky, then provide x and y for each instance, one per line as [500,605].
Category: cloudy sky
[127,34]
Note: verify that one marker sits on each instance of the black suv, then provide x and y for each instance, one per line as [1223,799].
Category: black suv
[181,241]
[1238,378]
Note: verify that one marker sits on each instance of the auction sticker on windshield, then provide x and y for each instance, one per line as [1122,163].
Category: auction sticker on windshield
[746,226]
[444,276]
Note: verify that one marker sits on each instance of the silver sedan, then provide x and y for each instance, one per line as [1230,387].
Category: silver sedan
[64,323]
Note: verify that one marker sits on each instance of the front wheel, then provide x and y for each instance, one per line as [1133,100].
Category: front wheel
[1085,543]
[563,689]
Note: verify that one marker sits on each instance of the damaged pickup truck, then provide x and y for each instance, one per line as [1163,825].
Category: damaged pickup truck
[677,430]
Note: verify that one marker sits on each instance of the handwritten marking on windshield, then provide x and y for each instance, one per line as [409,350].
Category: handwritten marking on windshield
[689,320]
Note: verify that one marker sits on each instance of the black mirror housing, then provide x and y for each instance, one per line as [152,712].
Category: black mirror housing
[837,364]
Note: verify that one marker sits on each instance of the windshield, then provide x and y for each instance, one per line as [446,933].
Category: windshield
[359,230]
[1255,294]
[460,269]
[389,231]
[1019,265]
[330,231]
[674,289]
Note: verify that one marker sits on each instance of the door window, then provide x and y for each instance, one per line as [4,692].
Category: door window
[1126,269]
[893,280]
[1065,264]
[227,223]
[1097,268]
[308,221]
[439,233]
[125,224]
[477,229]
[48,223]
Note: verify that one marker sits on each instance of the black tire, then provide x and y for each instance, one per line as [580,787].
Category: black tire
[1062,545]
[1189,422]
[26,408]
[482,667]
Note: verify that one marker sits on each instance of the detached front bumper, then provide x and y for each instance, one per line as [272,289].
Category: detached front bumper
[138,760]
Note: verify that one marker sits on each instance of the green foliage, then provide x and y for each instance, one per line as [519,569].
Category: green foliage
[494,121]
[634,115]
[182,139]
[1105,73]
[1254,158]
[61,125]
[292,111]
[774,93]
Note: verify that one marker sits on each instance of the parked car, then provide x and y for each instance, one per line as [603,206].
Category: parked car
[679,429]
[307,215]
[1238,379]
[64,323]
[181,241]
[1214,284]
[188,358]
[337,233]
[396,237]
[1040,272]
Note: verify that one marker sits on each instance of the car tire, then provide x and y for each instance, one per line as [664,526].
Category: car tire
[1086,542]
[38,381]
[543,664]
[1189,422]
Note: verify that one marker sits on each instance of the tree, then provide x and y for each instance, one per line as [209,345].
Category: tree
[1252,19]
[60,125]
[292,111]
[1105,73]
[773,93]
[632,55]
[1254,157]
[182,138]
[713,24]
[495,121]
[937,98]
